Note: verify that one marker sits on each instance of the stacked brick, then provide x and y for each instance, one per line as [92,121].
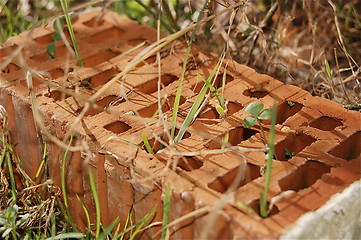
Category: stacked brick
[322,136]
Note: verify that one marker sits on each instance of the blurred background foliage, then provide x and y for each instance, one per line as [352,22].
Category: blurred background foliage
[315,45]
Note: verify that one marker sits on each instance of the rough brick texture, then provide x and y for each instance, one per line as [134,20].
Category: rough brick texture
[324,136]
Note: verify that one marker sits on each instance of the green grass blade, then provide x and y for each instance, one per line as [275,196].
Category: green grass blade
[179,92]
[166,206]
[64,6]
[184,68]
[199,19]
[247,208]
[192,113]
[63,166]
[328,70]
[108,230]
[169,15]
[42,163]
[271,150]
[2,157]
[224,78]
[141,223]
[96,201]
[12,179]
[214,91]
[122,234]
[63,184]
[146,144]
[67,236]
[85,211]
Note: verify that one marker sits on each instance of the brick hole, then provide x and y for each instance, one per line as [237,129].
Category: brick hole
[208,114]
[156,145]
[294,144]
[46,39]
[94,22]
[217,83]
[233,107]
[117,127]
[136,41]
[255,93]
[255,206]
[56,73]
[348,149]
[59,52]
[221,184]
[151,59]
[57,95]
[11,67]
[101,78]
[219,80]
[113,32]
[151,86]
[211,113]
[304,176]
[189,163]
[102,104]
[286,110]
[99,58]
[326,123]
[235,137]
[150,110]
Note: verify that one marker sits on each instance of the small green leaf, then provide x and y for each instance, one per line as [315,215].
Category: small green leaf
[291,104]
[328,69]
[56,36]
[254,108]
[51,49]
[247,32]
[289,154]
[265,114]
[62,24]
[249,121]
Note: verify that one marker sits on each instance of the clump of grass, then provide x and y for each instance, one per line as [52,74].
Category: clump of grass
[194,111]
[26,214]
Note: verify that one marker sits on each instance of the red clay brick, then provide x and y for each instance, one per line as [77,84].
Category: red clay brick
[321,133]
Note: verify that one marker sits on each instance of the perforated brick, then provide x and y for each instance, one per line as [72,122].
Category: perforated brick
[324,136]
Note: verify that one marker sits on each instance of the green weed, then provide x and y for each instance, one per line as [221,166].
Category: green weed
[257,114]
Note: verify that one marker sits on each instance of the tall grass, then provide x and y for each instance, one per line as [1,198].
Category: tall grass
[270,154]
[65,6]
